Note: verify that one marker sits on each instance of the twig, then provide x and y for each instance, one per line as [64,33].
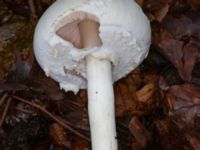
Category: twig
[5,111]
[26,111]
[3,98]
[77,127]
[51,116]
[32,8]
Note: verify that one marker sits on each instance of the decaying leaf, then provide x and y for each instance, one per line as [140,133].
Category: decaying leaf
[125,94]
[183,57]
[157,9]
[160,14]
[186,101]
[187,92]
[146,92]
[81,145]
[169,102]
[140,132]
[194,141]
[140,2]
[175,28]
[57,133]
[172,49]
[190,58]
[195,4]
[171,137]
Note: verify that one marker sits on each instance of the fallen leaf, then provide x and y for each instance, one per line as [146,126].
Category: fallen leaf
[170,136]
[145,93]
[47,2]
[126,101]
[163,84]
[169,102]
[140,2]
[152,5]
[140,132]
[190,58]
[172,49]
[195,4]
[196,75]
[194,141]
[187,92]
[183,57]
[1,48]
[157,10]
[160,14]
[186,101]
[182,26]
[81,145]
[57,133]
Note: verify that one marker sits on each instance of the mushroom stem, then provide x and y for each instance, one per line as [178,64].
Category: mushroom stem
[101,105]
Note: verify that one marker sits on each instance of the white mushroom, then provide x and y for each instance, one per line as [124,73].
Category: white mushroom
[91,44]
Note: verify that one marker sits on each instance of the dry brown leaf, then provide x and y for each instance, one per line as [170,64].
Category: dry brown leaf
[1,48]
[124,101]
[140,132]
[194,141]
[195,4]
[159,35]
[160,14]
[191,52]
[169,102]
[1,74]
[128,91]
[172,49]
[152,5]
[120,108]
[187,92]
[57,133]
[182,26]
[170,136]
[186,101]
[157,10]
[127,102]
[47,2]
[183,57]
[125,94]
[140,2]
[80,145]
[136,78]
[150,78]
[163,84]
[145,93]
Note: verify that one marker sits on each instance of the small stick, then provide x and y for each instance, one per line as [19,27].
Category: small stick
[42,109]
[3,98]
[22,110]
[32,8]
[5,111]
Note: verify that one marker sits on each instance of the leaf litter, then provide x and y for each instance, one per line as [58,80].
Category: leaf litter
[157,104]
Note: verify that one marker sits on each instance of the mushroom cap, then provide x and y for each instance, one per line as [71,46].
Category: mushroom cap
[124,31]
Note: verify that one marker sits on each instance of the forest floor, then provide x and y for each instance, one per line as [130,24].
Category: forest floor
[157,104]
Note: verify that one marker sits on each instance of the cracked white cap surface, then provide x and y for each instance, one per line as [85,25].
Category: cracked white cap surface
[124,31]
